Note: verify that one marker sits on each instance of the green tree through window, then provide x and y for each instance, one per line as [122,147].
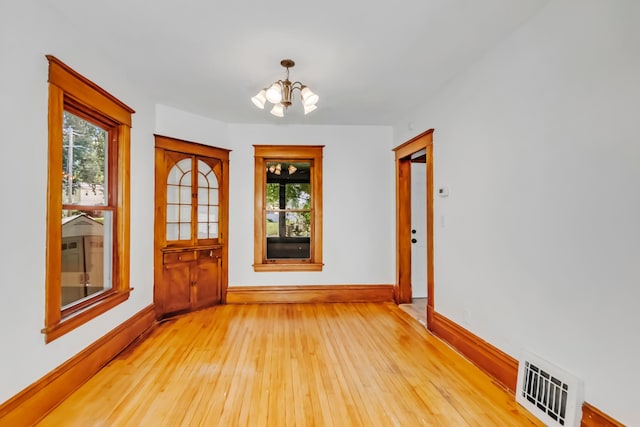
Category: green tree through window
[85,143]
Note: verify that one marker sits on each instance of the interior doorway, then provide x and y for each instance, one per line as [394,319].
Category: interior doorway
[414,221]
[419,226]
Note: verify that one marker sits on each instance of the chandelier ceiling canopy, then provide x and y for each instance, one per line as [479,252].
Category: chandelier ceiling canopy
[280,94]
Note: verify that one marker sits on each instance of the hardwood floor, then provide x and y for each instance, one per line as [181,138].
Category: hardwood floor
[361,364]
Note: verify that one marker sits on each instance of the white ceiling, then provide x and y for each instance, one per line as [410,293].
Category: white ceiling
[371,62]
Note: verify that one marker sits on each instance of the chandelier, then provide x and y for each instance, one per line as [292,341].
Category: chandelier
[280,94]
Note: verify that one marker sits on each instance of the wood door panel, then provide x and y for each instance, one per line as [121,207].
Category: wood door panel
[208,278]
[177,287]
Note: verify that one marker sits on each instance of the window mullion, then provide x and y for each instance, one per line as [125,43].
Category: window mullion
[194,200]
[282,215]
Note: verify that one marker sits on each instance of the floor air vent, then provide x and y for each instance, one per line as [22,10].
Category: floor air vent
[551,394]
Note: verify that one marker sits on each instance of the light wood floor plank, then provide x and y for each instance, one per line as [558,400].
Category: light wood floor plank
[297,365]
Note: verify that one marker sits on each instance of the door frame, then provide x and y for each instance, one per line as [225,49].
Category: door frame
[403,153]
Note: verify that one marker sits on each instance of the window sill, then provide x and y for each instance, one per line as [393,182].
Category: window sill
[288,267]
[71,322]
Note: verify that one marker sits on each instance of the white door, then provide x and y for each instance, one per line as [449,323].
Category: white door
[419,230]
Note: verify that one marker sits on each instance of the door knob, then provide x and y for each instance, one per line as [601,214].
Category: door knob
[414,241]
[413,231]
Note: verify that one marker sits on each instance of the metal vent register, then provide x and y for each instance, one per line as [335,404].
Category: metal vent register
[551,394]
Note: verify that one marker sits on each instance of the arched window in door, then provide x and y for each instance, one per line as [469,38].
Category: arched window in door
[207,202]
[179,201]
[192,199]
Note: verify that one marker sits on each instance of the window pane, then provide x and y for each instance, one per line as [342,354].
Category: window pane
[185,194]
[185,213]
[185,231]
[212,179]
[86,254]
[186,180]
[174,175]
[84,162]
[203,196]
[273,196]
[184,165]
[203,213]
[202,180]
[298,224]
[172,232]
[272,225]
[213,214]
[298,196]
[203,231]
[173,194]
[213,197]
[204,173]
[213,230]
[172,213]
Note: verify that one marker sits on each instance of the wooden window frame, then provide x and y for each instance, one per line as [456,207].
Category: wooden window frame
[300,153]
[70,91]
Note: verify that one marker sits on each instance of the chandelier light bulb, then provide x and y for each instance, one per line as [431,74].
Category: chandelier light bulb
[260,99]
[308,97]
[274,93]
[309,108]
[278,110]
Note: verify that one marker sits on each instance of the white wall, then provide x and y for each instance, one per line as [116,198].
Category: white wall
[190,127]
[538,145]
[358,198]
[28,31]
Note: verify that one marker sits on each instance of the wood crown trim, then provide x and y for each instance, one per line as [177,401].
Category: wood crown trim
[34,402]
[83,89]
[190,147]
[499,365]
[309,294]
[413,145]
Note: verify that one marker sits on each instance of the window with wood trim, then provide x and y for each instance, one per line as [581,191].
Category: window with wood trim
[88,201]
[288,208]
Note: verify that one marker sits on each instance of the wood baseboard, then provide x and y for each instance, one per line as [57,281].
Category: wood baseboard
[497,364]
[593,417]
[309,294]
[34,402]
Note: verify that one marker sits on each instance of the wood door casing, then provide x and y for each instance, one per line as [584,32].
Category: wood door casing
[403,153]
[190,272]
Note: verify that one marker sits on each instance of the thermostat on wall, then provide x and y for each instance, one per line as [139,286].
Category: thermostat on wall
[443,191]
